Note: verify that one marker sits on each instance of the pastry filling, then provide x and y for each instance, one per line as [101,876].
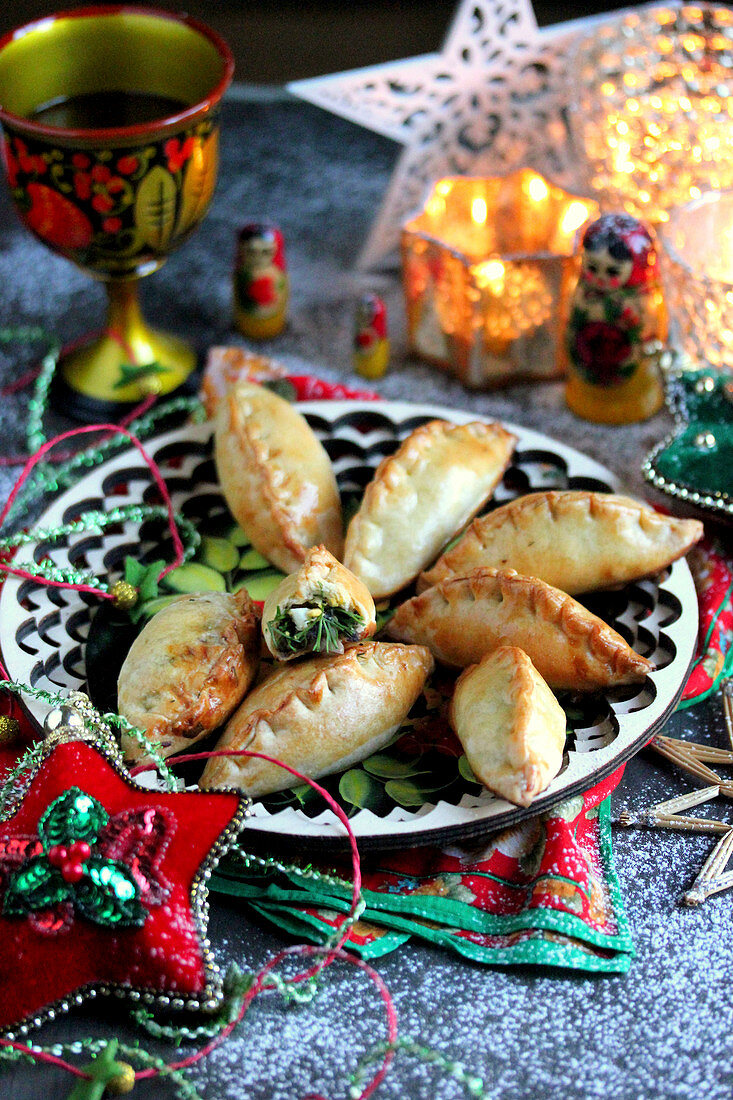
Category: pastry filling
[314,628]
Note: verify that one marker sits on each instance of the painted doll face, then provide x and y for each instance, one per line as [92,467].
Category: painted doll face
[257,253]
[604,271]
[371,314]
[618,251]
[364,314]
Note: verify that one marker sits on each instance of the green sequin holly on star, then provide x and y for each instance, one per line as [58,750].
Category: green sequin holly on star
[68,869]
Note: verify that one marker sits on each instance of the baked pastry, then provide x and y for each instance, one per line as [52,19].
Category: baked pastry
[511,726]
[577,541]
[320,715]
[420,497]
[225,366]
[276,476]
[188,669]
[461,619]
[316,609]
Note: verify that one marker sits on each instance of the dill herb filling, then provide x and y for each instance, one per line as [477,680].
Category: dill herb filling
[324,633]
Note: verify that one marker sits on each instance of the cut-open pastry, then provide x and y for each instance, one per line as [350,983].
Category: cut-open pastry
[420,497]
[276,476]
[461,619]
[576,540]
[317,609]
[510,725]
[320,715]
[188,669]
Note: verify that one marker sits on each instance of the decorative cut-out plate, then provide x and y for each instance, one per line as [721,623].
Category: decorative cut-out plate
[419,788]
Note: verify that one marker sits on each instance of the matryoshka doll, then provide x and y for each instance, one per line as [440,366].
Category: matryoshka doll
[371,346]
[616,324]
[260,281]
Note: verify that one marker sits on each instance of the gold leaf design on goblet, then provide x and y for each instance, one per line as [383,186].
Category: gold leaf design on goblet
[155,207]
[199,182]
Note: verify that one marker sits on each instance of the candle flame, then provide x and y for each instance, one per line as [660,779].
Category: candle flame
[435,207]
[538,189]
[490,275]
[479,211]
[573,218]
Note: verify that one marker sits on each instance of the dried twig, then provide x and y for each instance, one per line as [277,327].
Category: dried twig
[690,824]
[676,751]
[713,877]
[708,754]
[686,801]
[665,815]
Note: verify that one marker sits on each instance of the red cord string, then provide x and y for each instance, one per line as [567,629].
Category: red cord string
[31,376]
[66,456]
[326,955]
[157,477]
[20,383]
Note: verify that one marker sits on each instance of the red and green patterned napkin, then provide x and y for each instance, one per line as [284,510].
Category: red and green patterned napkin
[544,891]
[712,568]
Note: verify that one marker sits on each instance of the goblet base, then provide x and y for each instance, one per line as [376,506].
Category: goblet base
[106,377]
[90,410]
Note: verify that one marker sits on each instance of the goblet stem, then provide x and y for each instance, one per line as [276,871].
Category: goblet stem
[127,362]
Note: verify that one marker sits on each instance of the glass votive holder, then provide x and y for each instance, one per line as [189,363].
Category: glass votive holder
[697,270]
[486,265]
[651,107]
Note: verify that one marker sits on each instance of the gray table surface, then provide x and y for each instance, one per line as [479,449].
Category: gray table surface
[663,1031]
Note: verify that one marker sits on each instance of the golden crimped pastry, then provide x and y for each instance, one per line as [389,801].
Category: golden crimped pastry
[511,726]
[225,366]
[577,541]
[420,497]
[461,619]
[320,715]
[317,609]
[188,669]
[276,476]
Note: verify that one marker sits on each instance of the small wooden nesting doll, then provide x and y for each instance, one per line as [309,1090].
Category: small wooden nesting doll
[617,323]
[260,281]
[371,346]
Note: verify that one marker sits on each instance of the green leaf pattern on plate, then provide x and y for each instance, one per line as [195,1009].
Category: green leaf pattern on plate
[224,562]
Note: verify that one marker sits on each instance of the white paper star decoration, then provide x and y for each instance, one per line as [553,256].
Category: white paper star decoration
[488,103]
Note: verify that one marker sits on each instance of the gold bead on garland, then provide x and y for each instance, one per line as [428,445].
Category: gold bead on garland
[124,595]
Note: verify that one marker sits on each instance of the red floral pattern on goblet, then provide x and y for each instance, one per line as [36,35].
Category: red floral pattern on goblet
[177,153]
[97,206]
[55,220]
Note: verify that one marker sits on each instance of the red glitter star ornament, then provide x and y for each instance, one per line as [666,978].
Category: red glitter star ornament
[103,889]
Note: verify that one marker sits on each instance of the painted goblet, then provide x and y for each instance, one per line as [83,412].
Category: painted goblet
[110,119]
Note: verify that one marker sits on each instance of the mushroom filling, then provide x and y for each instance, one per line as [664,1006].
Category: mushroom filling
[314,628]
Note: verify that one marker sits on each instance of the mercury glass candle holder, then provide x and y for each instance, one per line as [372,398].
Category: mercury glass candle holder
[651,111]
[486,267]
[697,268]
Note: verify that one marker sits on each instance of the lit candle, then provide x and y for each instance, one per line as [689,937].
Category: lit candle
[485,265]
